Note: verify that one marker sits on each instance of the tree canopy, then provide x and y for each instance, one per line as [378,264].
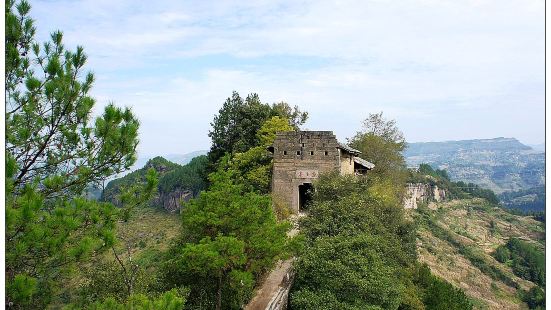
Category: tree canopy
[230,237]
[382,143]
[54,150]
[235,127]
[360,253]
[50,133]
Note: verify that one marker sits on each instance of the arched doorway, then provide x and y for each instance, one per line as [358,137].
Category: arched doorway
[305,192]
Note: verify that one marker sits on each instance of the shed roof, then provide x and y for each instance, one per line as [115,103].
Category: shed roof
[348,149]
[364,163]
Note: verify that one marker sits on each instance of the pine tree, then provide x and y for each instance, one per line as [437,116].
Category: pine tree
[54,150]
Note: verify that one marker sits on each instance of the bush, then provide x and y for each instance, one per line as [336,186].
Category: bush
[360,253]
[527,260]
[535,298]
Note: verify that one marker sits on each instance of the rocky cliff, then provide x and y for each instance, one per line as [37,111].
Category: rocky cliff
[176,183]
[172,201]
[420,192]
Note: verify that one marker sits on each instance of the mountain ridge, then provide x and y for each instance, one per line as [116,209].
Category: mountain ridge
[500,164]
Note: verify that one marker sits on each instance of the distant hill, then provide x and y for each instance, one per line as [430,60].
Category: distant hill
[180,159]
[538,147]
[176,182]
[528,200]
[500,164]
[113,188]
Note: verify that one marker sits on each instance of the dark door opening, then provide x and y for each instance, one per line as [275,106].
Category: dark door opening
[305,192]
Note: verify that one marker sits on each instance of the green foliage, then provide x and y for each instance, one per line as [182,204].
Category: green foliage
[361,273]
[50,133]
[477,191]
[525,201]
[253,168]
[295,116]
[502,254]
[267,133]
[535,298]
[21,289]
[350,205]
[361,240]
[360,253]
[41,240]
[438,294]
[234,129]
[230,237]
[454,190]
[55,151]
[382,143]
[426,169]
[526,259]
[191,176]
[105,280]
[115,187]
[170,300]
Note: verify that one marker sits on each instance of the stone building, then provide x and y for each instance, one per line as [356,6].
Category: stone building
[300,157]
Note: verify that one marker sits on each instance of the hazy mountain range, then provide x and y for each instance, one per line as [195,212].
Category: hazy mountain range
[500,164]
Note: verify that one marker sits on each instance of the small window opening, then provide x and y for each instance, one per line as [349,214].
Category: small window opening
[325,153]
[311,152]
[284,152]
[302,144]
[298,152]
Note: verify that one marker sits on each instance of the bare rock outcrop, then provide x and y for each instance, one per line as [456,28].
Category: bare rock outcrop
[420,192]
[172,202]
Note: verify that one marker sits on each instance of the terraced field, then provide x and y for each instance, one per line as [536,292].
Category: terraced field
[456,239]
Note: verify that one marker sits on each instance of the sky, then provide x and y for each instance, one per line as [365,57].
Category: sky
[443,69]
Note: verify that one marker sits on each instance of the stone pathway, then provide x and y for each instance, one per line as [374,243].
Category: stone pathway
[273,294]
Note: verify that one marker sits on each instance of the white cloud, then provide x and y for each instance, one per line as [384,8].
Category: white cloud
[466,68]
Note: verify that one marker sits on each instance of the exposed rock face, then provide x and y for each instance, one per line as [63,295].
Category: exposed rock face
[439,194]
[172,202]
[420,192]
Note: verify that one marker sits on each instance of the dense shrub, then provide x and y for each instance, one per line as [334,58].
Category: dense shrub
[360,253]
[526,259]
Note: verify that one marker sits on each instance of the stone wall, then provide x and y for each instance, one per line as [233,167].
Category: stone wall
[299,158]
[346,163]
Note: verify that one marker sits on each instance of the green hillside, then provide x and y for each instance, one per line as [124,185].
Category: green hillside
[526,201]
[175,182]
[113,188]
[458,239]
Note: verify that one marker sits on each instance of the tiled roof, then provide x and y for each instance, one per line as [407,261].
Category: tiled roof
[348,149]
[364,163]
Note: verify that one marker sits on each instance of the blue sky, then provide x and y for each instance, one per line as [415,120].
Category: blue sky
[445,70]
